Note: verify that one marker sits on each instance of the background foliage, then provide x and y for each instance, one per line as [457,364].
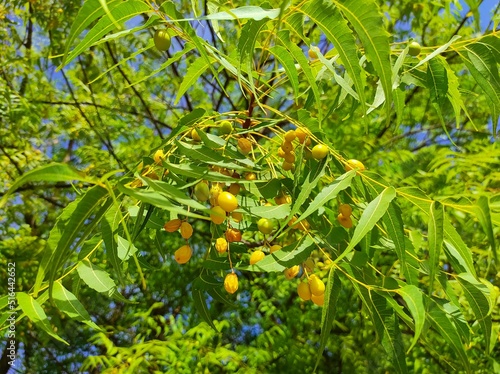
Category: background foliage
[417,293]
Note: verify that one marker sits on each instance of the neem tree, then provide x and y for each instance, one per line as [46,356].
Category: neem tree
[270,189]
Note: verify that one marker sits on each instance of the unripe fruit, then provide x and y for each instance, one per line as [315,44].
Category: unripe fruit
[244,146]
[292,272]
[225,128]
[237,216]
[265,226]
[234,188]
[313,53]
[304,291]
[250,176]
[227,201]
[287,147]
[316,285]
[287,166]
[195,136]
[162,40]
[231,283]
[274,248]
[256,256]
[202,192]
[290,136]
[173,225]
[159,156]
[320,151]
[309,265]
[318,300]
[221,245]
[183,254]
[233,235]
[290,158]
[344,221]
[414,49]
[217,215]
[186,230]
[345,210]
[354,164]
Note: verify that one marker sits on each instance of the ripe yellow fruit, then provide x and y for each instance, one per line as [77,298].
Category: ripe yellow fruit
[283,199]
[231,283]
[214,194]
[173,225]
[274,248]
[287,147]
[186,230]
[250,176]
[195,136]
[217,215]
[159,156]
[287,166]
[289,157]
[234,188]
[313,53]
[256,256]
[303,136]
[225,127]
[237,216]
[345,210]
[316,285]
[354,164]
[183,254]
[292,272]
[304,291]
[320,151]
[227,201]
[281,152]
[244,146]
[265,225]
[302,225]
[233,235]
[221,245]
[201,191]
[414,49]
[162,40]
[290,136]
[318,300]
[309,265]
[344,221]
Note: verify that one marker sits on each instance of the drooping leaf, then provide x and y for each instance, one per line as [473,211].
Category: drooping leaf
[483,215]
[95,277]
[394,223]
[415,302]
[435,235]
[437,80]
[125,249]
[195,70]
[286,60]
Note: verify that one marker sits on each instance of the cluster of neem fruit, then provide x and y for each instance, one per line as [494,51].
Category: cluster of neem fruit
[224,203]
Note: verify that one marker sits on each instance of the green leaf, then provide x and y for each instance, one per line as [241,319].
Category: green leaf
[125,249]
[67,229]
[477,295]
[365,17]
[71,306]
[122,12]
[200,303]
[109,225]
[272,212]
[48,173]
[437,52]
[285,258]
[334,26]
[457,251]
[435,238]
[95,277]
[332,292]
[36,314]
[437,80]
[372,213]
[195,70]
[482,210]
[286,60]
[415,303]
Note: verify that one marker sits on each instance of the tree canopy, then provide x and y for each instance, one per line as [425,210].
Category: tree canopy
[287,186]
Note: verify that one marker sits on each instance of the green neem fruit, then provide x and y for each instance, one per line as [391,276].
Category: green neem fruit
[225,127]
[265,226]
[202,192]
[414,49]
[162,40]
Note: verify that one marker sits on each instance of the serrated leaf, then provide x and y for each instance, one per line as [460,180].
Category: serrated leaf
[437,52]
[415,302]
[271,212]
[195,70]
[372,213]
[95,277]
[108,227]
[48,173]
[334,26]
[435,238]
[286,60]
[125,249]
[36,314]
[200,303]
[332,292]
[437,80]
[460,256]
[482,210]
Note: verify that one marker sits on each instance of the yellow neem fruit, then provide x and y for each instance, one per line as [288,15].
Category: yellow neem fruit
[283,199]
[344,221]
[173,225]
[162,40]
[221,245]
[217,215]
[309,265]
[194,135]
[244,146]
[290,136]
[354,164]
[304,291]
[292,272]
[233,235]
[316,285]
[237,216]
[227,201]
[214,194]
[186,230]
[345,209]
[289,157]
[250,176]
[320,151]
[287,147]
[313,53]
[256,256]
[201,191]
[318,300]
[183,254]
[287,166]
[274,248]
[303,136]
[231,283]
[234,188]
[265,226]
[159,156]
